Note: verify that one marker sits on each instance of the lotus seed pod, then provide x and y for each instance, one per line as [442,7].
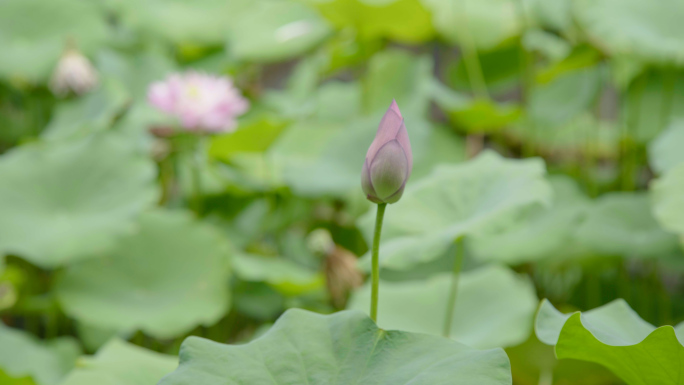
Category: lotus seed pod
[389,159]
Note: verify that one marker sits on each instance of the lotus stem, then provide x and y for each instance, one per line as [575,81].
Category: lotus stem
[375,274]
[628,159]
[453,292]
[196,167]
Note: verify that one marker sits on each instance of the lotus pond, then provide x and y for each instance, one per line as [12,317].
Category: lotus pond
[424,192]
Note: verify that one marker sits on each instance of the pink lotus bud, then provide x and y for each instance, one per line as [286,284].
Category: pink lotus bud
[389,159]
[73,73]
[201,102]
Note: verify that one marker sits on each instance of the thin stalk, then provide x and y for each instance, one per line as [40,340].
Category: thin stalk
[51,324]
[631,123]
[453,293]
[527,76]
[478,85]
[669,78]
[196,167]
[471,59]
[375,275]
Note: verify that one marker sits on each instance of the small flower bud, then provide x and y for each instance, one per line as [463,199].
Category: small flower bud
[389,159]
[73,73]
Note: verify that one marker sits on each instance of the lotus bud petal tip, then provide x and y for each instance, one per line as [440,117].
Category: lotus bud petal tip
[389,159]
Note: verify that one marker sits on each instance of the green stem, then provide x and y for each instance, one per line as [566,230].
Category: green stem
[628,159]
[470,57]
[197,175]
[453,293]
[375,275]
[669,78]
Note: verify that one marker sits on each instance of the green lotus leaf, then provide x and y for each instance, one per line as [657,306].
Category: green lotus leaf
[621,223]
[539,232]
[167,278]
[197,21]
[556,103]
[665,151]
[65,201]
[135,71]
[453,201]
[34,34]
[119,362]
[254,137]
[500,70]
[552,14]
[278,272]
[668,200]
[651,31]
[549,45]
[325,158]
[255,30]
[494,308]
[570,140]
[482,115]
[343,348]
[654,99]
[275,30]
[23,356]
[487,23]
[396,74]
[93,112]
[614,336]
[400,20]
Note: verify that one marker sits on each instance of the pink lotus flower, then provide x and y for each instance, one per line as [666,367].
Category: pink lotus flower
[200,101]
[389,159]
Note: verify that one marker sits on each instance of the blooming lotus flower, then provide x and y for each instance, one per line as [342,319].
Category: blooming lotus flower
[73,73]
[389,159]
[200,101]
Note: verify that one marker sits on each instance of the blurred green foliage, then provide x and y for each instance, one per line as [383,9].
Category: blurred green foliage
[546,135]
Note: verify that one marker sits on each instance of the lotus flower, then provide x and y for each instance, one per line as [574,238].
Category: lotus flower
[201,102]
[73,73]
[389,159]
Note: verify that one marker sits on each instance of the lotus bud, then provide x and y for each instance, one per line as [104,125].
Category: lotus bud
[389,159]
[73,73]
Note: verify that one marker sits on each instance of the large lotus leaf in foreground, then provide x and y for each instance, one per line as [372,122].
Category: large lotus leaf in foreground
[23,356]
[344,348]
[650,30]
[64,201]
[119,362]
[167,278]
[453,201]
[614,336]
[494,308]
